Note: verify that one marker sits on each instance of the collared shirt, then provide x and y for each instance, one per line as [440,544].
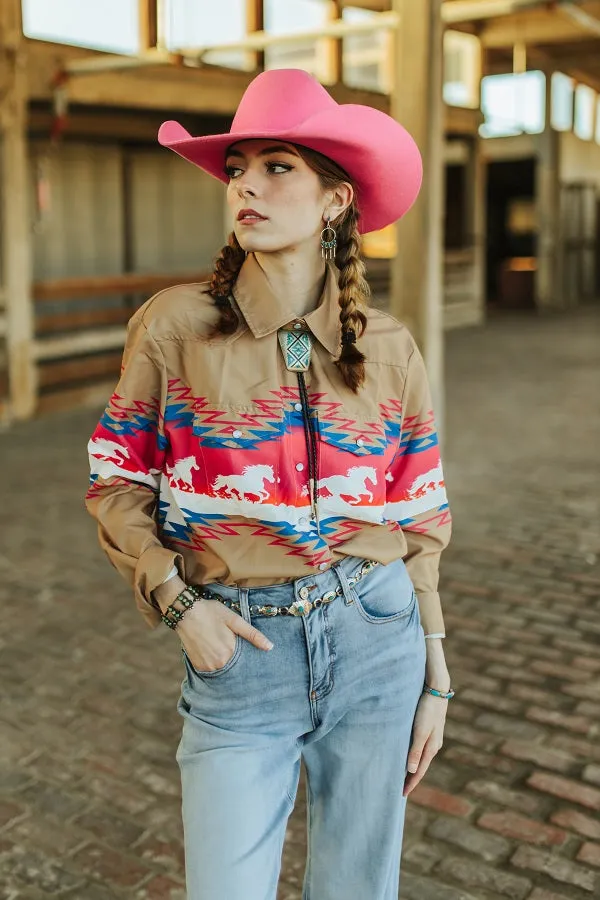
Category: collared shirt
[200,458]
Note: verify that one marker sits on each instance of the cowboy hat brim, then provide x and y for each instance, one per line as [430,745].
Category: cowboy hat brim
[379,155]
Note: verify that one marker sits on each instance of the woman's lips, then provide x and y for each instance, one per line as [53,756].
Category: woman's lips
[250,217]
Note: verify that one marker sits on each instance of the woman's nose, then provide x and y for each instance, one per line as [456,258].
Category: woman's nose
[247,186]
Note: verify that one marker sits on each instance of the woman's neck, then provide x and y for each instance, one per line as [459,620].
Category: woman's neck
[296,278]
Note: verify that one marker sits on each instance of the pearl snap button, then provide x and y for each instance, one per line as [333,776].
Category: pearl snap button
[298,407]
[237,434]
[299,467]
[297,325]
[302,520]
[323,565]
[360,442]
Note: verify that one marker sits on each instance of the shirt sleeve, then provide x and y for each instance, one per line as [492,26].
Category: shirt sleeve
[126,456]
[416,499]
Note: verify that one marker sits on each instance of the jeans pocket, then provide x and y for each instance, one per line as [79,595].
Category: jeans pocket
[212,673]
[386,595]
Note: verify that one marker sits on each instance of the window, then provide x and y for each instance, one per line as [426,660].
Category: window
[367,58]
[585,102]
[462,69]
[513,104]
[292,17]
[111,25]
[562,88]
[193,24]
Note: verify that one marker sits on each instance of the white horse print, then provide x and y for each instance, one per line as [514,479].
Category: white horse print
[109,451]
[352,485]
[180,475]
[425,484]
[250,483]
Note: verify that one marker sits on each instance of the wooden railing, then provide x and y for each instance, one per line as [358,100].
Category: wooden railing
[84,346]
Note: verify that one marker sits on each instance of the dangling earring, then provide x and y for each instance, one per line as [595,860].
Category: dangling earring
[328,247]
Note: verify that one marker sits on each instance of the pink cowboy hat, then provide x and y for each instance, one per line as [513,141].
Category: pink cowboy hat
[378,154]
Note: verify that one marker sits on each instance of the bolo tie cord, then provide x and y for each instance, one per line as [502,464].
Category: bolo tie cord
[296,347]
[311,446]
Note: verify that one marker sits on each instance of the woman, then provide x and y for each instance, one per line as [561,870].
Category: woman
[267,478]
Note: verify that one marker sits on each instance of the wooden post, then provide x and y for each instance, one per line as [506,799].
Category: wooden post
[148,23]
[255,21]
[476,212]
[14,206]
[547,199]
[417,269]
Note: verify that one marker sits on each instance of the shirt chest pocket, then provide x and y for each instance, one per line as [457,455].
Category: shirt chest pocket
[240,447]
[353,455]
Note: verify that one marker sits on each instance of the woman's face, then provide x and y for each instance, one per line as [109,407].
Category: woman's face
[268,178]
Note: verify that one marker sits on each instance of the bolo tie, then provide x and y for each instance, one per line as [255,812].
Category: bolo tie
[296,344]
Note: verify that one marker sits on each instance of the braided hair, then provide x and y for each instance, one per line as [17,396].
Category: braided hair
[354,289]
[227,267]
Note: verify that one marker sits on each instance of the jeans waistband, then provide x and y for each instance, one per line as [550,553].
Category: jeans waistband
[286,591]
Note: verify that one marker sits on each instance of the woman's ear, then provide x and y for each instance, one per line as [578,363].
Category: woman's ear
[341,198]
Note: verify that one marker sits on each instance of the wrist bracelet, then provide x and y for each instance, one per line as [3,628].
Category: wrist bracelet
[187,597]
[445,695]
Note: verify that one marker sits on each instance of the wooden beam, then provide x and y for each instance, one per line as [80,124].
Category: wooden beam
[83,369]
[458,11]
[255,21]
[53,289]
[416,296]
[148,19]
[460,120]
[206,90]
[14,213]
[75,398]
[542,60]
[90,341]
[75,321]
[337,60]
[547,206]
[538,26]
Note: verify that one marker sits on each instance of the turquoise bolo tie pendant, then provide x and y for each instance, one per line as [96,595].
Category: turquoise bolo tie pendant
[296,346]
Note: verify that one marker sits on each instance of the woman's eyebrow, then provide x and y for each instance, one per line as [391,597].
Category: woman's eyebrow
[267,150]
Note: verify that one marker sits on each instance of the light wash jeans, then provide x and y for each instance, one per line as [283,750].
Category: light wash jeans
[339,689]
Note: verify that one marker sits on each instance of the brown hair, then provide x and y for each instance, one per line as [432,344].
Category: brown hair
[354,289]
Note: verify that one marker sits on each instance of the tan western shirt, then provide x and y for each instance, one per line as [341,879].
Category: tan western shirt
[200,459]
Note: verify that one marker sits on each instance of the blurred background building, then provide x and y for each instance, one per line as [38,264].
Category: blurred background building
[503,97]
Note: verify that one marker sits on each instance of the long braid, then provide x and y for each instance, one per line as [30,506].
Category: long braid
[354,292]
[227,267]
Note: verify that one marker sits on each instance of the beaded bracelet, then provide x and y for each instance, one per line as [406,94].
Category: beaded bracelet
[188,596]
[444,695]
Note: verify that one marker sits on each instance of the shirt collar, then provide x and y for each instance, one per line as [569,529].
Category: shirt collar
[265,312]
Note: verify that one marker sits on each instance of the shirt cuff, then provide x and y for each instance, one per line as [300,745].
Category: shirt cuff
[171,574]
[154,568]
[430,610]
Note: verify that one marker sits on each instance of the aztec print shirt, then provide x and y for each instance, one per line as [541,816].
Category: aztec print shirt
[200,459]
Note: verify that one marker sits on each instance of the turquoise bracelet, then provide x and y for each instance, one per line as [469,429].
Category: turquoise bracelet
[188,596]
[444,695]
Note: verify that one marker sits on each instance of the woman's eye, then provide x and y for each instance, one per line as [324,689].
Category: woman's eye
[281,166]
[230,171]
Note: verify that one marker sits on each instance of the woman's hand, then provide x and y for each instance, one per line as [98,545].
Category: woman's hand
[207,632]
[430,717]
[428,732]
[208,628]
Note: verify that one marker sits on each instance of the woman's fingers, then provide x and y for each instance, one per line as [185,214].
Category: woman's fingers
[249,632]
[412,780]
[418,745]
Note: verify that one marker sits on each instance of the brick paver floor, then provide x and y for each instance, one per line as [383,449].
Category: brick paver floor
[89,788]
